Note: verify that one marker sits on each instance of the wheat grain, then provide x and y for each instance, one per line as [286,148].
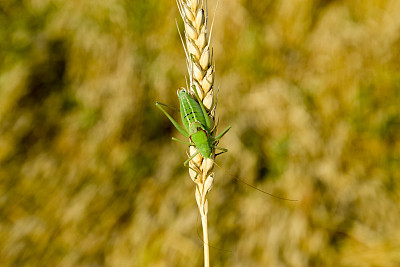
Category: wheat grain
[201,77]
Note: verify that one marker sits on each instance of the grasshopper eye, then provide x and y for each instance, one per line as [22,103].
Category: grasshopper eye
[181,91]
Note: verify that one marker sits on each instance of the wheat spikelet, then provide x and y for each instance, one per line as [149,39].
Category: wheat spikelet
[201,77]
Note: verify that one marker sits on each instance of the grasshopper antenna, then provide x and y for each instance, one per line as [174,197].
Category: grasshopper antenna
[252,186]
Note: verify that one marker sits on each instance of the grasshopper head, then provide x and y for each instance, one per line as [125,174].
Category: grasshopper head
[181,91]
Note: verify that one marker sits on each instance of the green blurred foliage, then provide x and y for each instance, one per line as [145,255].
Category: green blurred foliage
[89,176]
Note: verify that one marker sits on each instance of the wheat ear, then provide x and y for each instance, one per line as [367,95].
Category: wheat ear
[201,78]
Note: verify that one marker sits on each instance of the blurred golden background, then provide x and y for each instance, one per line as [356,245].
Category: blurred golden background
[89,175]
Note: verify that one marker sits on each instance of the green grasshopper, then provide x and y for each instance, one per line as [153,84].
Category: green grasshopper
[197,125]
[198,131]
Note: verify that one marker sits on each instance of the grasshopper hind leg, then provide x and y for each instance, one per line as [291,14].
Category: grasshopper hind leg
[183,142]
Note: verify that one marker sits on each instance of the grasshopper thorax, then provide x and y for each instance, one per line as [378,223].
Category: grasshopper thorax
[201,141]
[200,137]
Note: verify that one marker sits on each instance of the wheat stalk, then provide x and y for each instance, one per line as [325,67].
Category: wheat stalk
[201,77]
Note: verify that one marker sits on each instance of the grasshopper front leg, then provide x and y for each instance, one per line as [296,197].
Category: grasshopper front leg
[222,133]
[186,164]
[174,122]
[224,150]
